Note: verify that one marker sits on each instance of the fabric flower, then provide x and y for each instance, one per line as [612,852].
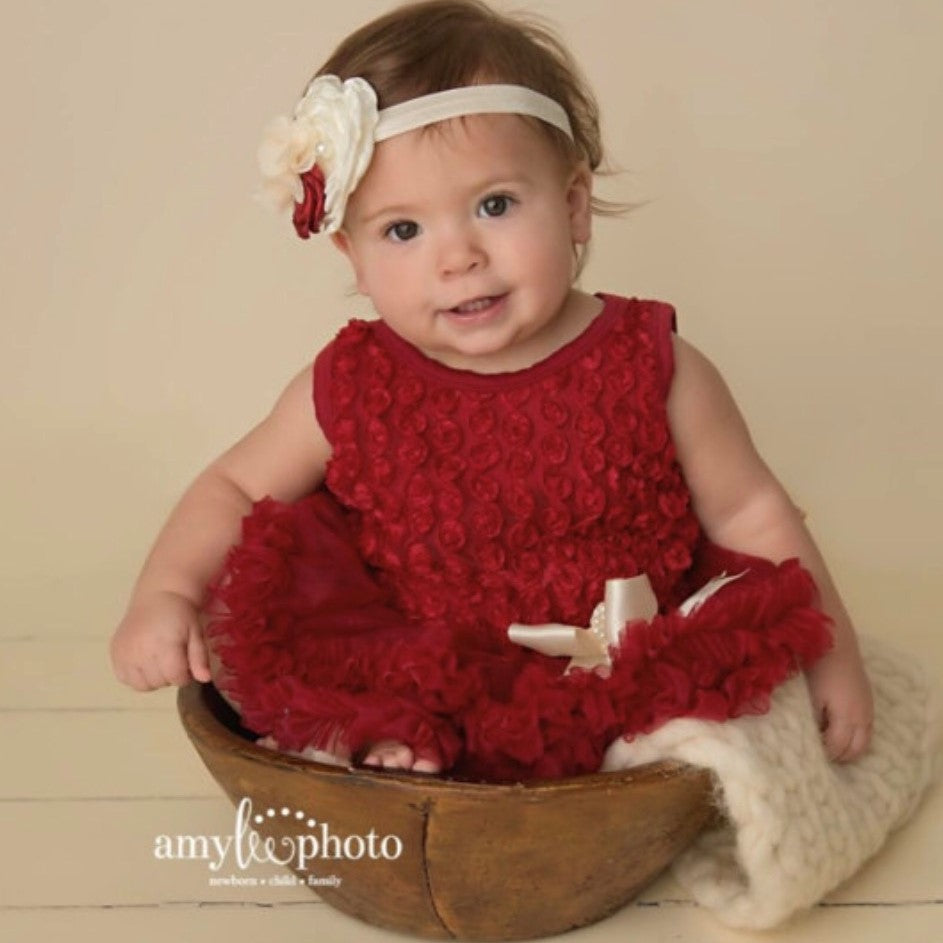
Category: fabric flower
[522,536]
[382,469]
[332,128]
[620,450]
[458,569]
[450,501]
[555,448]
[412,451]
[517,429]
[520,499]
[448,467]
[485,456]
[378,401]
[486,521]
[485,488]
[408,390]
[419,558]
[592,459]
[490,556]
[590,425]
[310,211]
[421,520]
[446,436]
[380,363]
[378,436]
[555,520]
[411,421]
[452,535]
[444,401]
[481,420]
[520,462]
[554,411]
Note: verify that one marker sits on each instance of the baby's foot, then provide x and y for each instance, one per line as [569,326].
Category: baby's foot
[339,758]
[390,754]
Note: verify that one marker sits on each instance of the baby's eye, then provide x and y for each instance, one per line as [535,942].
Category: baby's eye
[402,231]
[496,205]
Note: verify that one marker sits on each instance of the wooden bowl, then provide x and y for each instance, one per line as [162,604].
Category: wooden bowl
[478,861]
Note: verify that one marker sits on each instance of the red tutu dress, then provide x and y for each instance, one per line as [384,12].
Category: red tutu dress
[456,504]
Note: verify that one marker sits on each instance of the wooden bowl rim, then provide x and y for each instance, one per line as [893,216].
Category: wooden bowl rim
[200,705]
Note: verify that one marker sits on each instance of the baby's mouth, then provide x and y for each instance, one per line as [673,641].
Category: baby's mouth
[476,305]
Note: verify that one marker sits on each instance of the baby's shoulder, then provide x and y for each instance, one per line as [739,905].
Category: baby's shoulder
[699,398]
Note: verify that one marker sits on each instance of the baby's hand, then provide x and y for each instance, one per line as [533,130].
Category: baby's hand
[160,642]
[841,696]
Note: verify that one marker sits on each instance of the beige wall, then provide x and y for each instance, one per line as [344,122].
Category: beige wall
[152,310]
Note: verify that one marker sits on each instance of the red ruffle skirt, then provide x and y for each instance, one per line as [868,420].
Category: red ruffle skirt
[314,652]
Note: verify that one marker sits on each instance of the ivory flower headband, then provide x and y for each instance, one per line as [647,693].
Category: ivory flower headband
[315,159]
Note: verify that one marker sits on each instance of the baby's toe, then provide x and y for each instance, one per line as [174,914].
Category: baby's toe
[389,755]
[427,766]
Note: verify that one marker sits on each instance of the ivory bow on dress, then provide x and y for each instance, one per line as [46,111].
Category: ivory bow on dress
[626,600]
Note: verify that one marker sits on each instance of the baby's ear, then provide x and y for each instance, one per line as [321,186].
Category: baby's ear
[579,194]
[343,244]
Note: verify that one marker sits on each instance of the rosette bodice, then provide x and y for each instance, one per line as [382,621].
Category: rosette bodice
[487,499]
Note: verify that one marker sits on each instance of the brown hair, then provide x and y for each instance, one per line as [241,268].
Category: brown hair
[431,46]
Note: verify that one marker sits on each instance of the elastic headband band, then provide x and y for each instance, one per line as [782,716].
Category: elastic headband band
[470,100]
[315,159]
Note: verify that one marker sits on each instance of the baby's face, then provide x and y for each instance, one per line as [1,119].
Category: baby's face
[463,236]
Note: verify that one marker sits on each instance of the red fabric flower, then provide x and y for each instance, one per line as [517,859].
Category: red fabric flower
[554,411]
[310,211]
[490,556]
[486,521]
[481,420]
[411,421]
[408,390]
[555,520]
[449,501]
[485,489]
[378,401]
[517,429]
[446,436]
[449,467]
[444,401]
[520,462]
[555,448]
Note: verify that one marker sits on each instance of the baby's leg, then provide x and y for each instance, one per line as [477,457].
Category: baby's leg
[387,754]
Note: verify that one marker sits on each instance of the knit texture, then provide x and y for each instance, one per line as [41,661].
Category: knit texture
[796,824]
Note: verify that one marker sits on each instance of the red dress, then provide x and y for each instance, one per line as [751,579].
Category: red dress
[457,503]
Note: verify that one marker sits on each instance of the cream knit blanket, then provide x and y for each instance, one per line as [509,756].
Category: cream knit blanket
[796,824]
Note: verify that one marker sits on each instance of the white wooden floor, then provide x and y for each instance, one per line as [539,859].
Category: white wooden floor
[93,773]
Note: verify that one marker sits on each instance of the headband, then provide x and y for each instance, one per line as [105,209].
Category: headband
[315,159]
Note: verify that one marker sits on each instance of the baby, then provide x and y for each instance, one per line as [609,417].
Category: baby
[490,451]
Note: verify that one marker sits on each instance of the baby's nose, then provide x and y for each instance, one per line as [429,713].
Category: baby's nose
[460,252]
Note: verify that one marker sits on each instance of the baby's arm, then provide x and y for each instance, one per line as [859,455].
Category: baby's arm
[741,505]
[160,641]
